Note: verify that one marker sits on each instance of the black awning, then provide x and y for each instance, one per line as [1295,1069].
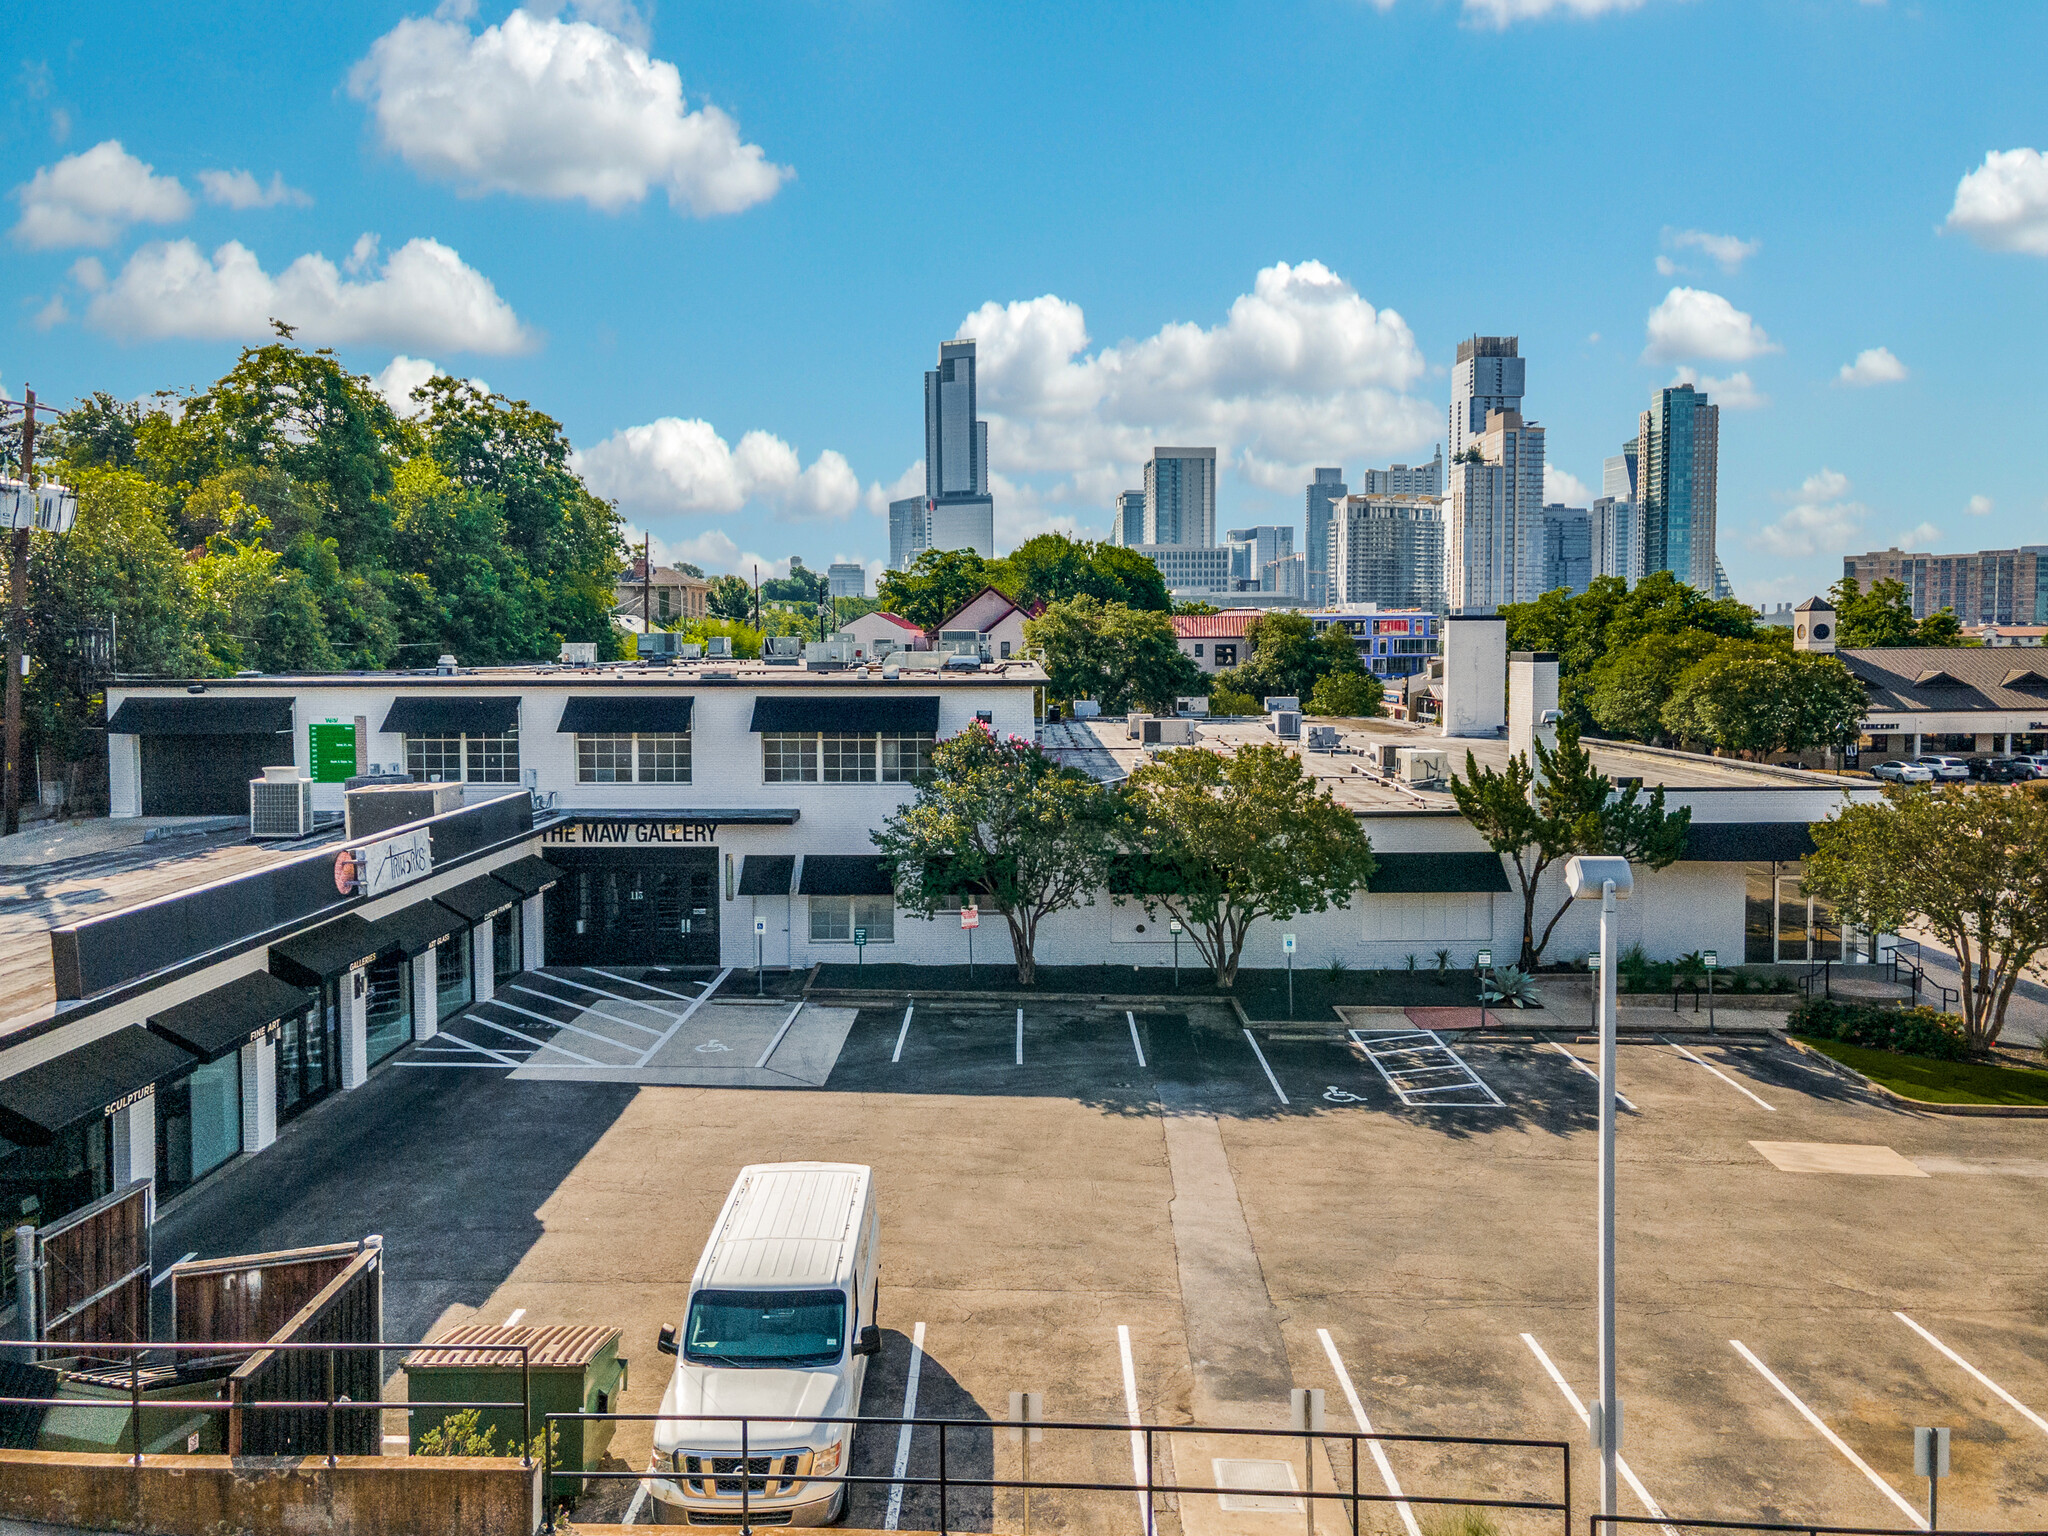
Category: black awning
[309,958]
[1743,842]
[479,899]
[217,1023]
[847,712]
[767,874]
[37,1104]
[650,714]
[1415,874]
[451,715]
[529,876]
[201,715]
[845,874]
[416,929]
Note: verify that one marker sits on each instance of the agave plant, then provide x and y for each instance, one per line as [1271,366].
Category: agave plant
[1512,985]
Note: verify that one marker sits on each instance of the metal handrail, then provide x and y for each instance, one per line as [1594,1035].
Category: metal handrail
[946,1481]
[87,1349]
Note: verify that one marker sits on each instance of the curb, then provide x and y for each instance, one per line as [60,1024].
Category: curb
[1987,1111]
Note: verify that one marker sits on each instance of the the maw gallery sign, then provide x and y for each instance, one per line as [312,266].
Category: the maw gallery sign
[626,834]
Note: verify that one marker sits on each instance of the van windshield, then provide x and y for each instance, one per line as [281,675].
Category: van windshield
[787,1328]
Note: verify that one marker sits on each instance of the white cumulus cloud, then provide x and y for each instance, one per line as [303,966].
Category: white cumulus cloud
[674,466]
[1692,323]
[1979,506]
[1502,14]
[1922,535]
[1823,520]
[2003,204]
[397,379]
[1873,365]
[713,552]
[1736,392]
[550,108]
[89,198]
[422,296]
[1302,371]
[1561,485]
[241,189]
[1725,251]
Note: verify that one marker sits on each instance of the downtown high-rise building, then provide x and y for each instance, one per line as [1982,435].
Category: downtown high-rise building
[1567,548]
[908,535]
[959,512]
[1617,532]
[1327,487]
[1180,497]
[1388,549]
[1490,375]
[1127,519]
[1494,538]
[1677,475]
[1405,480]
[1989,586]
[1253,549]
[1618,474]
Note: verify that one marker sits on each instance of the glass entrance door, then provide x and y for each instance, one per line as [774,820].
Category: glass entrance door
[1807,929]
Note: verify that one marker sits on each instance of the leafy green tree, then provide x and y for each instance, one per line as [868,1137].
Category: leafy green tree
[257,612]
[1971,867]
[802,585]
[1288,657]
[1221,841]
[1347,695]
[730,598]
[1942,628]
[1626,692]
[485,605]
[1223,701]
[1756,699]
[1193,608]
[1883,616]
[1001,821]
[1051,568]
[1537,815]
[746,640]
[938,584]
[1112,654]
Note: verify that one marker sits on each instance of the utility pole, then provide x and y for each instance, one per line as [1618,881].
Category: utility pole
[646,587]
[17,621]
[757,597]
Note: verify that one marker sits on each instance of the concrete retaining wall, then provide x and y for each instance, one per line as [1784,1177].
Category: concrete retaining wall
[265,1496]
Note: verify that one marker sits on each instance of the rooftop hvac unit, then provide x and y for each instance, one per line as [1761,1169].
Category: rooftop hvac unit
[1283,702]
[1322,738]
[690,652]
[1134,726]
[281,806]
[1287,724]
[575,653]
[1191,704]
[656,644]
[1424,765]
[1087,709]
[718,647]
[1168,733]
[779,650]
[1389,755]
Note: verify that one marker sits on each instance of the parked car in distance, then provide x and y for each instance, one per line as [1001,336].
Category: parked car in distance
[1945,768]
[2001,770]
[1900,771]
[2038,761]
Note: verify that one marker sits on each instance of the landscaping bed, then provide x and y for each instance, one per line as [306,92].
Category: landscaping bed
[1261,993]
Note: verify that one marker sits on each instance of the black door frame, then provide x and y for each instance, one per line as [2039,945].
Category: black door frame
[674,886]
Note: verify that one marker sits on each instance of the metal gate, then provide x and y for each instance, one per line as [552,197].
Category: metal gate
[93,1270]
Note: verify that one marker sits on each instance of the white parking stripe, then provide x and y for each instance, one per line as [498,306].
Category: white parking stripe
[1688,1055]
[717,982]
[1619,1097]
[895,1515]
[2004,1396]
[513,1320]
[498,1058]
[1134,1417]
[799,1008]
[1620,1465]
[681,997]
[160,1279]
[1020,1037]
[1136,1044]
[574,1029]
[1262,1063]
[1379,1455]
[633,1509]
[584,986]
[582,1007]
[1831,1437]
[538,1045]
[902,1035]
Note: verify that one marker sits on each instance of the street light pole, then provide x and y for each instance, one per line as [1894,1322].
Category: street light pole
[17,621]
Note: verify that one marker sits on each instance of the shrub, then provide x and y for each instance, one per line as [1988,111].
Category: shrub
[1224,702]
[1908,1031]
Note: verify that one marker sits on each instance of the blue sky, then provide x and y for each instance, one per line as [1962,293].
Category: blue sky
[721,243]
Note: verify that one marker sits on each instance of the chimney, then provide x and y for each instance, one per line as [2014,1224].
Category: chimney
[1532,702]
[1475,674]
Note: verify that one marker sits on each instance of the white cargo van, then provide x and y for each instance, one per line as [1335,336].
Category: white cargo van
[779,1328]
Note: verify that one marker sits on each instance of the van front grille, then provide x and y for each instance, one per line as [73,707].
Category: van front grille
[772,1476]
[720,1517]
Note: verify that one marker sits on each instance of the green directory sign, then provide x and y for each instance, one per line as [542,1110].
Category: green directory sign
[333,751]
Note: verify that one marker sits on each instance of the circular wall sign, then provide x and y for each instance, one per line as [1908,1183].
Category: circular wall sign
[345,871]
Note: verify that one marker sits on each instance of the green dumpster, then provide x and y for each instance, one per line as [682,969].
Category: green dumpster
[572,1369]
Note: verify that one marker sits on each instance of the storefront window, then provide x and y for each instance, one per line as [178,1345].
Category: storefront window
[452,988]
[198,1123]
[309,1053]
[833,918]
[1758,921]
[390,1009]
[507,944]
[40,1184]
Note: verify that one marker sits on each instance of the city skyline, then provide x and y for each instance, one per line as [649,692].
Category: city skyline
[737,380]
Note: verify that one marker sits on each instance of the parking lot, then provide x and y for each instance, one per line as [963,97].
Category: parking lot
[1152,1210]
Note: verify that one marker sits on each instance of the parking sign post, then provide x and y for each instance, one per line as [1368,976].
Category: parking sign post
[860,948]
[1712,961]
[1287,944]
[1483,964]
[760,940]
[1173,927]
[970,919]
[1930,1460]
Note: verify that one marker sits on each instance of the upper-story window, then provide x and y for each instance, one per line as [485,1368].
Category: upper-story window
[633,758]
[454,759]
[845,757]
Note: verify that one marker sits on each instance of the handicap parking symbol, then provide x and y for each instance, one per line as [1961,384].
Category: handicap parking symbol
[1335,1095]
[714,1045]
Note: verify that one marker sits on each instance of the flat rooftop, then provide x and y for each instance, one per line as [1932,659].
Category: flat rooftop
[620,674]
[1101,748]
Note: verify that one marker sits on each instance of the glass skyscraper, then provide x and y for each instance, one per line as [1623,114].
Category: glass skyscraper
[1678,473]
[959,513]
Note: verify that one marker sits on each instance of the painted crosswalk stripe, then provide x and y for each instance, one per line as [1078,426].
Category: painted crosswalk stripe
[895,1515]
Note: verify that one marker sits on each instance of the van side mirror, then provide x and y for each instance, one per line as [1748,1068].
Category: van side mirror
[667,1342]
[870,1341]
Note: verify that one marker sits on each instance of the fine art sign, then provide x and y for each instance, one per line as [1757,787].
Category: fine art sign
[623,833]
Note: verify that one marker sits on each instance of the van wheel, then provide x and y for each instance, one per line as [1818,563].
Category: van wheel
[837,1512]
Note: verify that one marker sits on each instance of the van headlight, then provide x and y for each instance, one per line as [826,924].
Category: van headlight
[825,1462]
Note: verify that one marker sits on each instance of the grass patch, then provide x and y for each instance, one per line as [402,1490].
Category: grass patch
[1939,1082]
